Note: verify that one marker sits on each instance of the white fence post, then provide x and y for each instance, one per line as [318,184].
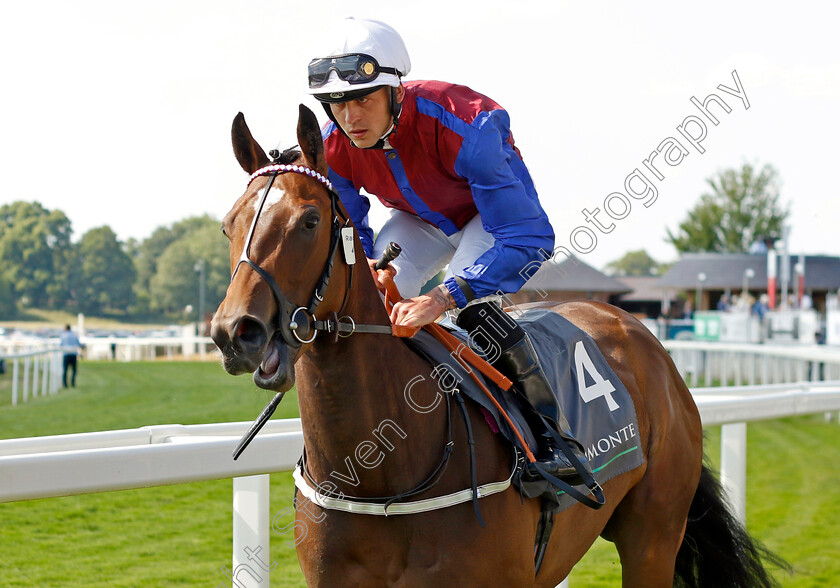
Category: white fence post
[251,520]
[764,370]
[57,360]
[41,373]
[14,381]
[733,467]
[46,365]
[724,369]
[36,372]
[26,364]
[708,365]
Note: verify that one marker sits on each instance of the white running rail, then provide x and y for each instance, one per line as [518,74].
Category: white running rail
[42,467]
[34,373]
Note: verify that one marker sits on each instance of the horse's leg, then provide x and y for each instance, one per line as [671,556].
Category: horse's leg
[648,549]
[578,527]
[648,523]
[648,526]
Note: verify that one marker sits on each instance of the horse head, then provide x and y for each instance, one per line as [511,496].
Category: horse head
[281,233]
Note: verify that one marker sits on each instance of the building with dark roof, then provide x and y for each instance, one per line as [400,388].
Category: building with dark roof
[570,279]
[645,299]
[714,275]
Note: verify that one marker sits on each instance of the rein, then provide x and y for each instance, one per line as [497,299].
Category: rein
[288,313]
[344,326]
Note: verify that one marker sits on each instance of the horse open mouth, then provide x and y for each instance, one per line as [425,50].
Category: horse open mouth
[276,370]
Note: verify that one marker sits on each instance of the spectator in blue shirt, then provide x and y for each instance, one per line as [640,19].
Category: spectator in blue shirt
[70,345]
[760,307]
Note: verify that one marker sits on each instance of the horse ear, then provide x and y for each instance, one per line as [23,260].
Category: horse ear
[309,139]
[248,152]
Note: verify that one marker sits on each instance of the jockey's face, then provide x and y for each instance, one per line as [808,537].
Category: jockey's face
[366,119]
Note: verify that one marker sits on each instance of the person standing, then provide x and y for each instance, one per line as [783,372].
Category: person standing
[70,345]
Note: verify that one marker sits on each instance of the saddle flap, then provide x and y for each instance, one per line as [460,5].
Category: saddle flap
[596,403]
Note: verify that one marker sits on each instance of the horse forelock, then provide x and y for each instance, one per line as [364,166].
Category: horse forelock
[289,156]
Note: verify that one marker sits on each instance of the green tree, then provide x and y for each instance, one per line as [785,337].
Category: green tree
[105,273]
[148,254]
[8,308]
[634,263]
[35,252]
[743,207]
[175,284]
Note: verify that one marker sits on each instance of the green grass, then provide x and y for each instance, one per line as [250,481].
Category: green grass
[181,535]
[167,536]
[793,502]
[111,395]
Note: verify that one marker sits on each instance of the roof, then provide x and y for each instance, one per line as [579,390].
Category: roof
[726,270]
[573,275]
[644,288]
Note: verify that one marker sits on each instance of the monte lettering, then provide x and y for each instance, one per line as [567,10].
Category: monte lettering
[612,441]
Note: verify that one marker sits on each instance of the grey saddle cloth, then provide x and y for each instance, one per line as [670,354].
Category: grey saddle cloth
[596,403]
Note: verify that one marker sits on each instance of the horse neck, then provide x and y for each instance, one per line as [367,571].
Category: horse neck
[352,396]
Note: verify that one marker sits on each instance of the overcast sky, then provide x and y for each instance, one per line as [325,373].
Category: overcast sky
[119,113]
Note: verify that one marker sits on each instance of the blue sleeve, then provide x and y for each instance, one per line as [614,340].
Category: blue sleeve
[357,207]
[509,207]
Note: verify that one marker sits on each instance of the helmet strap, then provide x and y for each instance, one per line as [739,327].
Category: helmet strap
[396,110]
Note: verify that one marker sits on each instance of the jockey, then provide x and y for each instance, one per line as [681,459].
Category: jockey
[442,158]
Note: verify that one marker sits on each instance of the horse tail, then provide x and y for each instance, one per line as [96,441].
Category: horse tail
[717,550]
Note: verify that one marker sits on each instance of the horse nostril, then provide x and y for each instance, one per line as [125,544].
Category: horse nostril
[250,334]
[219,334]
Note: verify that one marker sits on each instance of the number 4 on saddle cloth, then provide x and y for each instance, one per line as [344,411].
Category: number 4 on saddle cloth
[597,405]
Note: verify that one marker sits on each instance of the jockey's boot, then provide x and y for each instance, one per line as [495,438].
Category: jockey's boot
[521,364]
[514,355]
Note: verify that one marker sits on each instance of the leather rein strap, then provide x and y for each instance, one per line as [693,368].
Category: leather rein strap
[345,326]
[287,312]
[289,327]
[463,354]
[297,324]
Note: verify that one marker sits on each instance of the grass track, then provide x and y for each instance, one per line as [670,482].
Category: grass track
[181,535]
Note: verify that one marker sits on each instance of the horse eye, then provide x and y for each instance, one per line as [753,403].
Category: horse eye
[222,229]
[310,223]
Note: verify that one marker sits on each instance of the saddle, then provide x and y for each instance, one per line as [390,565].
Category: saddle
[597,405]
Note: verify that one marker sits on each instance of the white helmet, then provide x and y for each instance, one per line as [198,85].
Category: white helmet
[359,54]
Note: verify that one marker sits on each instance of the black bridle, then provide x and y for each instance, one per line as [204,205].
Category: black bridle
[288,328]
[295,333]
[287,312]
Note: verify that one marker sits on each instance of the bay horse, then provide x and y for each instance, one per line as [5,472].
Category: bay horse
[667,518]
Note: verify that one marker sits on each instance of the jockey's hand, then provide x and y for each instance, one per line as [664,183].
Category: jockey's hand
[424,309]
[390,270]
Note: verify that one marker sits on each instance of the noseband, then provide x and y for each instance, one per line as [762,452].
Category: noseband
[287,312]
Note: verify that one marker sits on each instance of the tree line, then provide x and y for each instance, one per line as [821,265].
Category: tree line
[41,267]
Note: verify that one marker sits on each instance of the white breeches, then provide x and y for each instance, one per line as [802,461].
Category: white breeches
[426,250]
